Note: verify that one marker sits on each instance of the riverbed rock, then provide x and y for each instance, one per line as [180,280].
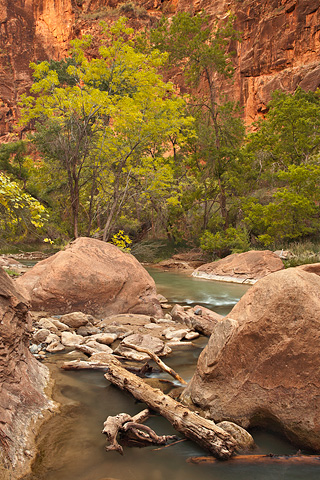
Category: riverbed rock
[150,342]
[41,335]
[261,366]
[76,319]
[198,318]
[70,339]
[22,380]
[62,327]
[105,338]
[47,324]
[55,347]
[97,347]
[247,267]
[93,277]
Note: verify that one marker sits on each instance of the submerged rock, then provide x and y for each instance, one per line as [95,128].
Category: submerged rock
[93,277]
[261,366]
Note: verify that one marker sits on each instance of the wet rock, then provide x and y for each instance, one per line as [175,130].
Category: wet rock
[192,335]
[243,438]
[175,335]
[262,361]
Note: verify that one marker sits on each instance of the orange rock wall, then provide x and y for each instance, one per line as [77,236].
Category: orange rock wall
[279,49]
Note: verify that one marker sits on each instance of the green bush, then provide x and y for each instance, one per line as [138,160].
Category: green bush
[232,240]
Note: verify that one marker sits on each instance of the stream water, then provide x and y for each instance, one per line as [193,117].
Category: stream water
[71,446]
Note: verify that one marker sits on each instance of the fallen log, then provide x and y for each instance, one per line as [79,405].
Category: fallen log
[94,365]
[202,431]
[262,459]
[132,428]
[158,361]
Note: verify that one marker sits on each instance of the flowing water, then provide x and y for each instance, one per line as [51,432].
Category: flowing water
[72,446]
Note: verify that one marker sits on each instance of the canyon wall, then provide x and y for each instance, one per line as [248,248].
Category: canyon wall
[22,383]
[279,48]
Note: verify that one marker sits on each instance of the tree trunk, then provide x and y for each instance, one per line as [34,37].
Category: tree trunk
[202,431]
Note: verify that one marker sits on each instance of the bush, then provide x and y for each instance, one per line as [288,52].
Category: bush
[222,243]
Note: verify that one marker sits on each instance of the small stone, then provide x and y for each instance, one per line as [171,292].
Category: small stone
[176,335]
[197,311]
[60,326]
[152,326]
[168,316]
[55,347]
[192,335]
[88,330]
[105,338]
[41,335]
[52,338]
[98,347]
[46,323]
[76,319]
[34,348]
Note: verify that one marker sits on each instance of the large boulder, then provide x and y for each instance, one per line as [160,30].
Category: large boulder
[93,277]
[261,366]
[247,267]
[22,380]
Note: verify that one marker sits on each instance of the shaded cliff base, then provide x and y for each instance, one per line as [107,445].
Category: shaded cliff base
[16,463]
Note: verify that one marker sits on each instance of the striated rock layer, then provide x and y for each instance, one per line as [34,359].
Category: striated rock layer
[22,381]
[261,366]
[93,277]
[279,48]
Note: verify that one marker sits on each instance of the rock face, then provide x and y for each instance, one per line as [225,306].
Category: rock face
[247,267]
[22,378]
[262,363]
[279,48]
[93,277]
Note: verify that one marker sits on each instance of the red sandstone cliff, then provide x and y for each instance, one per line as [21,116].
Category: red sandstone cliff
[22,382]
[280,46]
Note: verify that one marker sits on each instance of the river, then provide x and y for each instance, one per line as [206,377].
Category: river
[71,446]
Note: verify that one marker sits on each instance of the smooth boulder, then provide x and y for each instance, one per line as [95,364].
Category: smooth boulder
[261,366]
[247,267]
[93,277]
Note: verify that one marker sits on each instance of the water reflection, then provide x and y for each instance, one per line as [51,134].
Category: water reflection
[72,446]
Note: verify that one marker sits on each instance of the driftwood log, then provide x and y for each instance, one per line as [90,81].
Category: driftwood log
[158,361]
[202,431]
[134,431]
[262,459]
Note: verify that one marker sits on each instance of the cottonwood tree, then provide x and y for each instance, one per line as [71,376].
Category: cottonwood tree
[201,51]
[285,158]
[98,126]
